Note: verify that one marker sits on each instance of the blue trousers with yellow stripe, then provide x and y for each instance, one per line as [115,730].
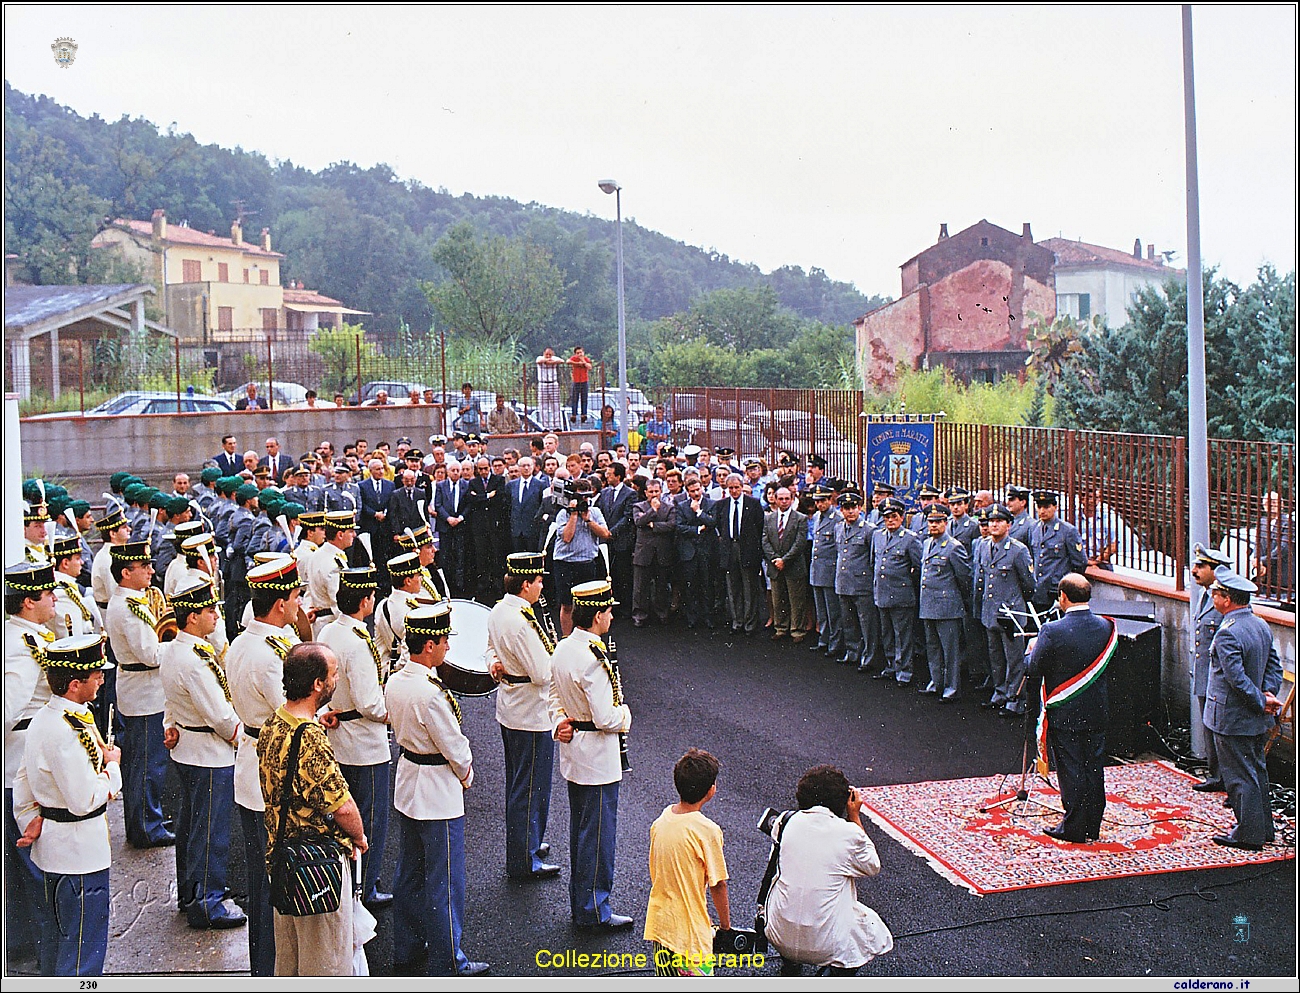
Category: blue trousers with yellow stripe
[593,824]
[371,788]
[28,924]
[203,837]
[530,759]
[428,912]
[79,907]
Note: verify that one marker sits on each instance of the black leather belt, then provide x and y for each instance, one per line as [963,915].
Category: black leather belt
[349,715]
[101,606]
[65,816]
[584,726]
[424,758]
[252,732]
[136,667]
[324,613]
[514,680]
[201,728]
[23,725]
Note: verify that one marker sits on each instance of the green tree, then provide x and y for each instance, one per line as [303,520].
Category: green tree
[1053,344]
[497,287]
[744,320]
[337,348]
[693,363]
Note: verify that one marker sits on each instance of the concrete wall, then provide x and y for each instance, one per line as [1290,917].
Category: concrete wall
[1173,614]
[81,452]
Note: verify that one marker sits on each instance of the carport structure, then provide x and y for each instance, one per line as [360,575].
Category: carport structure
[77,313]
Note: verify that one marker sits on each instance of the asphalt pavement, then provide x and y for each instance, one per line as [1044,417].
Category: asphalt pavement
[768,711]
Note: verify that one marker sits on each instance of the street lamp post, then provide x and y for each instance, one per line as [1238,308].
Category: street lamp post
[611,186]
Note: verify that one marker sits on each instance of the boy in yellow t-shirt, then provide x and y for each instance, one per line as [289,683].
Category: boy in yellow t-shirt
[685,860]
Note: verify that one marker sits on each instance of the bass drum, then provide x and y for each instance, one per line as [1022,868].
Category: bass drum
[465,671]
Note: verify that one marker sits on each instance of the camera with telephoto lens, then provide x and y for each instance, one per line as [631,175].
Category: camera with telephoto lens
[768,819]
[577,498]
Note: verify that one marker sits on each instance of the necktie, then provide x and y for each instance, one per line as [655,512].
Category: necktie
[455,498]
[780,525]
[735,521]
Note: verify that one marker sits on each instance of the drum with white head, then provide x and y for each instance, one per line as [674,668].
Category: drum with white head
[465,671]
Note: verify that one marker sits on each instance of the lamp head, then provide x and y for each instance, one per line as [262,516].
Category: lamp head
[609,185]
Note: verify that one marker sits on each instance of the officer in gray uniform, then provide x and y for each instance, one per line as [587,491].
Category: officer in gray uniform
[1240,707]
[858,617]
[880,492]
[896,566]
[1003,576]
[301,490]
[926,496]
[1021,519]
[945,591]
[962,526]
[1205,567]
[822,570]
[1055,549]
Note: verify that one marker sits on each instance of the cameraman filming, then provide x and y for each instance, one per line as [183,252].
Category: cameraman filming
[812,913]
[577,545]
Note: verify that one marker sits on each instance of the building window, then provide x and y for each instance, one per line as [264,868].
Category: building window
[223,272]
[1076,305]
[225,318]
[270,319]
[984,242]
[191,271]
[245,275]
[265,276]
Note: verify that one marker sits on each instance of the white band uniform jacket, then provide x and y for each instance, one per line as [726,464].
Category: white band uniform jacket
[70,609]
[58,773]
[190,576]
[102,586]
[25,687]
[520,706]
[581,690]
[195,699]
[301,553]
[813,914]
[363,741]
[134,642]
[390,627]
[256,676]
[423,722]
[320,571]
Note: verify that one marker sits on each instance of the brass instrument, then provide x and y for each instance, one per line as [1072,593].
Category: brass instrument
[165,625]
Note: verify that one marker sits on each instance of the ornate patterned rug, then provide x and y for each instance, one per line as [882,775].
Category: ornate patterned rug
[1154,823]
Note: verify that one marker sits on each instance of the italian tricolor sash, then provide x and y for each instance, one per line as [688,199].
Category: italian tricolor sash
[1072,688]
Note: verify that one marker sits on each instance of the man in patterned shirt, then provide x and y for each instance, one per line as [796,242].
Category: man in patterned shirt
[319,945]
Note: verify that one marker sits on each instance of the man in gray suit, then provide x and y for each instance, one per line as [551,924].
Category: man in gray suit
[655,519]
[821,572]
[1205,566]
[1003,576]
[785,547]
[945,590]
[1240,704]
[896,564]
[853,585]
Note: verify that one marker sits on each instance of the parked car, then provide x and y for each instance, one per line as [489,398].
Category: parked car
[637,402]
[397,391]
[721,404]
[140,402]
[284,394]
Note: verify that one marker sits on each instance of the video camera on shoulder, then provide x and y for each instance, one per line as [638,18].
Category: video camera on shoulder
[576,495]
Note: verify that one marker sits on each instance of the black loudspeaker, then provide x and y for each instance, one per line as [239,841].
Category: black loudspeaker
[1133,675]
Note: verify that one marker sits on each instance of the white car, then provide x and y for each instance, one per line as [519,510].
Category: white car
[284,394]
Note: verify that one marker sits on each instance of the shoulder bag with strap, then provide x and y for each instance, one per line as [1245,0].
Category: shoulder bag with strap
[306,871]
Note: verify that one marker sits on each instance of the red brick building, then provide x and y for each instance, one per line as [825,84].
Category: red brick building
[965,304]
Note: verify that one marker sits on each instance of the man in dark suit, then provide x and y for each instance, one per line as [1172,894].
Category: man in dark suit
[229,460]
[739,520]
[1070,656]
[452,501]
[376,494]
[276,461]
[409,505]
[655,518]
[525,498]
[488,520]
[785,547]
[615,501]
[1240,707]
[696,543]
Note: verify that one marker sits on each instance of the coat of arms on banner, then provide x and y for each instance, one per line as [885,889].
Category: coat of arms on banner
[65,52]
[902,455]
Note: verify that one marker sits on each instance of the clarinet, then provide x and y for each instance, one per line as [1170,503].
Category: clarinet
[623,759]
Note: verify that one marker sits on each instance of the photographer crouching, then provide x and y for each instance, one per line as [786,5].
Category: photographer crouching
[811,909]
[580,530]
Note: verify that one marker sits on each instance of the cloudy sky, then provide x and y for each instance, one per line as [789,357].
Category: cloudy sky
[814,136]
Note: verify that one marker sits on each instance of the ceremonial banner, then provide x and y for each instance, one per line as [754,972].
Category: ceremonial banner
[901,455]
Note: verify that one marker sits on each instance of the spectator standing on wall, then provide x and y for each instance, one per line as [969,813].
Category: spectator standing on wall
[469,418]
[548,389]
[579,375]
